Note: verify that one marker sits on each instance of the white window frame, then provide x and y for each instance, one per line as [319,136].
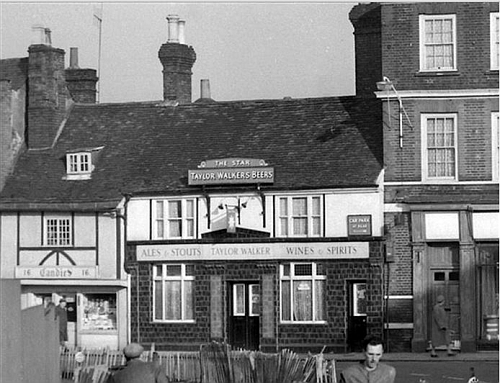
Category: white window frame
[422,21]
[425,159]
[288,216]
[165,221]
[494,41]
[495,142]
[57,231]
[163,279]
[79,163]
[291,278]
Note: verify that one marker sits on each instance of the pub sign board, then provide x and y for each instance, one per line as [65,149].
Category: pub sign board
[359,224]
[231,171]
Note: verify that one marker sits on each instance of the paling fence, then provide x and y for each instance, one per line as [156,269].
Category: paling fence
[214,363]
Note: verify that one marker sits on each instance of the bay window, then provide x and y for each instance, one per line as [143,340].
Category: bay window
[302,288]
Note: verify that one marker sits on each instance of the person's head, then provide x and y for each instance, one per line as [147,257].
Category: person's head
[440,299]
[62,303]
[373,350]
[133,351]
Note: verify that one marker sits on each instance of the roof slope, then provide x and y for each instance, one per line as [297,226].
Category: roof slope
[148,147]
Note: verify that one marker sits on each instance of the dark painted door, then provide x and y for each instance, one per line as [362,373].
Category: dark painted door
[244,302]
[356,331]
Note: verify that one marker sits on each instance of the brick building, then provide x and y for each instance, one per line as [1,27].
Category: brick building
[436,65]
[259,223]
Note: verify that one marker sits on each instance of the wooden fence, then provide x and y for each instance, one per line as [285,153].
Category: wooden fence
[214,363]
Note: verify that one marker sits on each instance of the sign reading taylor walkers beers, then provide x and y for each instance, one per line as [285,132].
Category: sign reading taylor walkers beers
[253,251]
[231,171]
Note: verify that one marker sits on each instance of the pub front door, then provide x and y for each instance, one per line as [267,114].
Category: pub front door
[244,315]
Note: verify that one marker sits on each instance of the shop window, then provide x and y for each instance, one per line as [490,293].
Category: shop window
[174,219]
[57,231]
[439,147]
[173,292]
[302,293]
[99,312]
[438,47]
[299,217]
[494,40]
[487,280]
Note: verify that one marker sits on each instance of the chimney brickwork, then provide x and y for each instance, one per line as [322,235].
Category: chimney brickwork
[177,59]
[81,82]
[47,94]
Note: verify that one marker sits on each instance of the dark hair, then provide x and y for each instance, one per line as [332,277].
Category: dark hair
[372,340]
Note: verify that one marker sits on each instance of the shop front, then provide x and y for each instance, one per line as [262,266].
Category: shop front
[94,312]
[260,295]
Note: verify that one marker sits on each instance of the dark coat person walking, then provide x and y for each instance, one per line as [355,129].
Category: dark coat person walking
[440,334]
[137,371]
[62,314]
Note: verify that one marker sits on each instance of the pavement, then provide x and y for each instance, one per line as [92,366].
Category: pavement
[485,356]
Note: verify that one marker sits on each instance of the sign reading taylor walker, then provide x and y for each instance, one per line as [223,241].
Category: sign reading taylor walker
[254,251]
[231,171]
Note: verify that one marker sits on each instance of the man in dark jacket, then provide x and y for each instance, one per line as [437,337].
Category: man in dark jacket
[62,314]
[137,371]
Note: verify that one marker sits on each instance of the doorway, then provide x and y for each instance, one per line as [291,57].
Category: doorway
[356,330]
[444,279]
[244,315]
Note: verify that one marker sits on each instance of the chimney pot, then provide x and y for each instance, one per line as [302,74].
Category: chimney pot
[48,37]
[182,37]
[173,28]
[205,88]
[37,35]
[73,58]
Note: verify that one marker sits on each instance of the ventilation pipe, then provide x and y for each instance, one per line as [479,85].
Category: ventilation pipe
[173,29]
[73,58]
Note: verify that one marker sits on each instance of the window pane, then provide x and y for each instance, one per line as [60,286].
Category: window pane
[175,228]
[158,300]
[316,208]
[285,301]
[299,206]
[302,300]
[174,270]
[254,299]
[319,301]
[188,300]
[160,229]
[283,206]
[174,209]
[189,208]
[189,270]
[159,209]
[173,300]
[190,228]
[286,270]
[303,269]
[300,226]
[239,299]
[284,226]
[316,226]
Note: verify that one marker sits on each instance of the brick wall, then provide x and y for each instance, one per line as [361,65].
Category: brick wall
[400,44]
[47,94]
[300,337]
[473,137]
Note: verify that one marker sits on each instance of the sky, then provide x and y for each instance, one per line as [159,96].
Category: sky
[247,50]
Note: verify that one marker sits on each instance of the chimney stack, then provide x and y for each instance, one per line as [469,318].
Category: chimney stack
[177,59]
[47,92]
[81,83]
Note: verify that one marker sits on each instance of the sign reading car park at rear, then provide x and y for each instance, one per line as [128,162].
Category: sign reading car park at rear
[231,171]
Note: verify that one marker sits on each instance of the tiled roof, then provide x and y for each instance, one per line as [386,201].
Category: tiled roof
[312,143]
[14,70]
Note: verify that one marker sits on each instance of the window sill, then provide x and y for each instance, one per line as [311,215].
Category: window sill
[437,73]
[322,323]
[174,321]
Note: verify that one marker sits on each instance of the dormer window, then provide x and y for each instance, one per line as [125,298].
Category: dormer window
[81,163]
